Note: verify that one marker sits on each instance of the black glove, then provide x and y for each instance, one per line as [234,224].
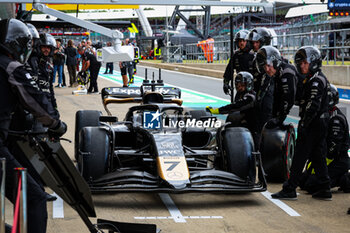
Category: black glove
[58,130]
[273,123]
[227,88]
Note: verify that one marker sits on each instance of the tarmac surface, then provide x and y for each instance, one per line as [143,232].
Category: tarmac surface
[207,213]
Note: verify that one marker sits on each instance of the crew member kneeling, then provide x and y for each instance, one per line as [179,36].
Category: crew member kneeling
[241,112]
[338,142]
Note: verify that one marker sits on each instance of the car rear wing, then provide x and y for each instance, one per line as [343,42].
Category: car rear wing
[151,91]
[113,99]
[134,92]
[135,95]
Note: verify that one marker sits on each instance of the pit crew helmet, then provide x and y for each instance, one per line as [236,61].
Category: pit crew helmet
[33,31]
[241,35]
[334,96]
[268,55]
[15,39]
[245,78]
[312,55]
[47,40]
[35,36]
[261,34]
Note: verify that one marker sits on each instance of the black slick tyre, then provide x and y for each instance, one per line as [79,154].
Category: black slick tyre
[238,146]
[84,118]
[93,152]
[277,151]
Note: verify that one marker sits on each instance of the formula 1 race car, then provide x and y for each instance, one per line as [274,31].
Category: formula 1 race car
[161,147]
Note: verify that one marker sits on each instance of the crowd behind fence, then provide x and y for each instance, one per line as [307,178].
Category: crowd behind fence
[333,44]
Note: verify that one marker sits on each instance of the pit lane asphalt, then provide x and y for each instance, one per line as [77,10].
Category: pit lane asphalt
[203,212]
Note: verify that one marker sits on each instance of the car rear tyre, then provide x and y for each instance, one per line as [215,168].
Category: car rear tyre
[277,151]
[93,152]
[238,146]
[84,118]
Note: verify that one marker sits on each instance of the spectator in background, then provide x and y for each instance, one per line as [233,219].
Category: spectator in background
[136,54]
[109,65]
[123,73]
[58,62]
[122,67]
[83,43]
[90,47]
[63,72]
[129,65]
[78,58]
[71,62]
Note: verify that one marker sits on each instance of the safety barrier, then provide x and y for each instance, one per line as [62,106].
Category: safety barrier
[20,208]
[20,205]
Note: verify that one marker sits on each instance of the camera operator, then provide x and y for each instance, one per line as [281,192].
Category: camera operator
[58,62]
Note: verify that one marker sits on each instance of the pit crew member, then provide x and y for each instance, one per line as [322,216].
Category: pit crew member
[312,127]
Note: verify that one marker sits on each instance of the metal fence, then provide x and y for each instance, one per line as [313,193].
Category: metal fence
[191,53]
[333,44]
[173,54]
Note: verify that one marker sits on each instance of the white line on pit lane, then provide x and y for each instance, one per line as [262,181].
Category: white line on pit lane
[170,205]
[57,207]
[280,204]
[171,218]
